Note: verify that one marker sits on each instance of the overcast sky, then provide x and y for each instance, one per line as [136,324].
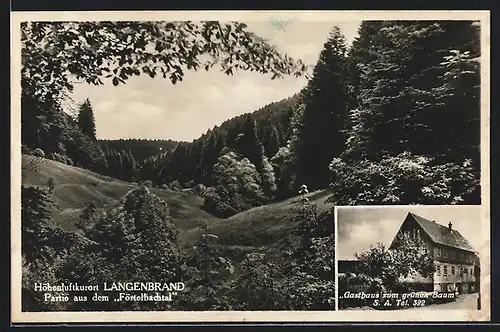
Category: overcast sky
[360,227]
[155,108]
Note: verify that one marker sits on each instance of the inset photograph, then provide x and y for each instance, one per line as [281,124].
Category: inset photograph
[408,257]
[191,165]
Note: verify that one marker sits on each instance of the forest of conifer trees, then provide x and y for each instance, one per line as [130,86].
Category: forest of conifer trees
[365,115]
[382,102]
[391,119]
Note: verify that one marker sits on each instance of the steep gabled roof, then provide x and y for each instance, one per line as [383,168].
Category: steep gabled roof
[441,234]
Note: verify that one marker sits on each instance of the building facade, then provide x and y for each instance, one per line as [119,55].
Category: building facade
[456,262]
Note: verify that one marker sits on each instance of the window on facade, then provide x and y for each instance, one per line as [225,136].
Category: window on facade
[461,256]
[445,270]
[452,270]
[471,272]
[437,252]
[465,271]
[444,253]
[452,254]
[438,270]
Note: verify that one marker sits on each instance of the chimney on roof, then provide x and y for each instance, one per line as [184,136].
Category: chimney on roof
[449,226]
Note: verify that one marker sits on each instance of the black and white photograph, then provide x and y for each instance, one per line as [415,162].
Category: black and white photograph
[192,162]
[409,258]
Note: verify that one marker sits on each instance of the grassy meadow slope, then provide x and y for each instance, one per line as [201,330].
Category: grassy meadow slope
[258,227]
[75,186]
[268,224]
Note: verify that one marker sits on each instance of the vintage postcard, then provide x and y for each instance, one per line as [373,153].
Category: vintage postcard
[257,166]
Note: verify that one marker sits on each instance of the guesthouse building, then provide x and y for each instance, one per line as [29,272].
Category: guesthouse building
[456,262]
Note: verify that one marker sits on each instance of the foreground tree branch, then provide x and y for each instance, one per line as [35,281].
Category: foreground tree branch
[56,53]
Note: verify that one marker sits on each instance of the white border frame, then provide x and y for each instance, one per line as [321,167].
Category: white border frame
[17,316]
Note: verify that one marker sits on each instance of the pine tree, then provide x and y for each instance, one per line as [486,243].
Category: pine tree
[119,165]
[133,166]
[86,121]
[208,270]
[414,133]
[251,147]
[36,219]
[211,152]
[272,141]
[248,143]
[207,159]
[196,155]
[405,96]
[317,135]
[129,165]
[359,55]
